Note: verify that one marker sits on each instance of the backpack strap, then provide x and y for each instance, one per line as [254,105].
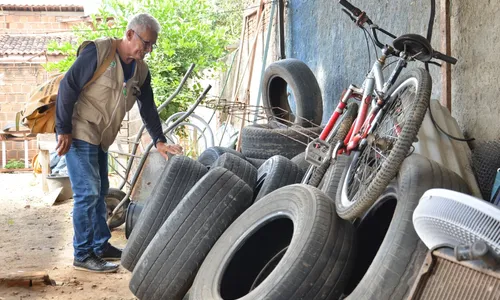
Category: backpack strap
[102,68]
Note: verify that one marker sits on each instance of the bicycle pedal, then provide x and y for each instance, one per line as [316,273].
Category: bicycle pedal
[317,152]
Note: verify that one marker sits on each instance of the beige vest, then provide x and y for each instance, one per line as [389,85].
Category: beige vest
[101,107]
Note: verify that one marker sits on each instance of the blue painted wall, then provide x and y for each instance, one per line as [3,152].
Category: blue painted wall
[321,35]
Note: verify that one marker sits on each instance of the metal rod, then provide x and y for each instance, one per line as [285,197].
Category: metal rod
[281,22]
[117,161]
[118,173]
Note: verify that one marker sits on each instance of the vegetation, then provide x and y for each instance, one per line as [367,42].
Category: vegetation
[193,31]
[14,164]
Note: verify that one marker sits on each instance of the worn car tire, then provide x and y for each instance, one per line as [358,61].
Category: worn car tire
[397,261]
[276,172]
[176,180]
[210,155]
[300,161]
[296,76]
[485,163]
[297,225]
[112,199]
[168,266]
[239,166]
[261,141]
[331,180]
[256,162]
[134,210]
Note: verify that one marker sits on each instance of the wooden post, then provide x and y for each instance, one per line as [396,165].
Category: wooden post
[4,156]
[251,62]
[445,49]
[45,143]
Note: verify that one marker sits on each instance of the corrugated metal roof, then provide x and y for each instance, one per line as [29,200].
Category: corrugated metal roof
[29,44]
[27,7]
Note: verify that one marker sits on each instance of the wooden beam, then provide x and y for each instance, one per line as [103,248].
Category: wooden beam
[26,276]
[251,62]
[446,49]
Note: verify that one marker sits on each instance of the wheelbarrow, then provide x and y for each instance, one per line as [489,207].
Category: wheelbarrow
[117,201]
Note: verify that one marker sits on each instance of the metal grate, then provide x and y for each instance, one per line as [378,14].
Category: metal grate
[446,279]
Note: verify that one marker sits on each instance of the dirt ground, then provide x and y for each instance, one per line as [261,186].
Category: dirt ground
[38,237]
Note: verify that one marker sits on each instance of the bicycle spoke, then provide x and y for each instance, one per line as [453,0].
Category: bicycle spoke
[390,130]
[386,133]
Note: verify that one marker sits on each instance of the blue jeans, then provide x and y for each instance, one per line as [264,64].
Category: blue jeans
[88,173]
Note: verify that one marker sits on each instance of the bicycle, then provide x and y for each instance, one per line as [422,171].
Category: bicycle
[389,116]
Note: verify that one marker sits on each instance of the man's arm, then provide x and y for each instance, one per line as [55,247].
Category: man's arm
[151,119]
[70,87]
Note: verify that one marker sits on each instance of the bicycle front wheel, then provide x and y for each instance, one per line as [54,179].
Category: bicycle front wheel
[314,175]
[378,160]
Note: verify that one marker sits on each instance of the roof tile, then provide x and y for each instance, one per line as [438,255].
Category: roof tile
[29,44]
[29,7]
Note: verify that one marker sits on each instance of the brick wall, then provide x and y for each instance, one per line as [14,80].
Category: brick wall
[18,77]
[19,22]
[16,82]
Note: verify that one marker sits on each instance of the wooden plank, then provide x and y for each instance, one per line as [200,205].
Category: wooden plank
[26,276]
[446,49]
[46,142]
[16,170]
[251,63]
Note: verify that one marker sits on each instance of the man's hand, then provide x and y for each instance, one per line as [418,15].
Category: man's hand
[63,143]
[164,148]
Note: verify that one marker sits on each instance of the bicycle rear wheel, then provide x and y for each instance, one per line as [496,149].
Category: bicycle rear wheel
[378,161]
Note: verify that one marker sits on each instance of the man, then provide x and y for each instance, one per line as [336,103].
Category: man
[87,122]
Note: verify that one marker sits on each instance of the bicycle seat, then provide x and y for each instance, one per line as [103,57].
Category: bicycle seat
[415,45]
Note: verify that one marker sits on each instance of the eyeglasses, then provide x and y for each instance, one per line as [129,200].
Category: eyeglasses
[146,44]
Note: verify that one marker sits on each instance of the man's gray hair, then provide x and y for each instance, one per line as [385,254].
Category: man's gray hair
[141,22]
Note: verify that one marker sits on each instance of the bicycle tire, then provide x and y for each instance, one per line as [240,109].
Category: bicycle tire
[350,207]
[346,122]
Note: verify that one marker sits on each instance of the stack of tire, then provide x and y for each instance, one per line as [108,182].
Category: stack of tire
[191,206]
[222,229]
[286,133]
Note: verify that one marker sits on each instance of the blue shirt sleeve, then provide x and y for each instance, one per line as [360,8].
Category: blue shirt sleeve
[71,85]
[149,113]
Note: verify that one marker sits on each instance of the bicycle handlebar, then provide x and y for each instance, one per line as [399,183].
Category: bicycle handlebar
[444,57]
[360,17]
[353,9]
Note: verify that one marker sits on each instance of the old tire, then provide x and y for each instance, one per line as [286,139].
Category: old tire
[239,166]
[333,175]
[256,162]
[134,210]
[299,78]
[112,199]
[388,223]
[176,180]
[276,172]
[485,163]
[169,265]
[291,245]
[262,141]
[210,155]
[300,161]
